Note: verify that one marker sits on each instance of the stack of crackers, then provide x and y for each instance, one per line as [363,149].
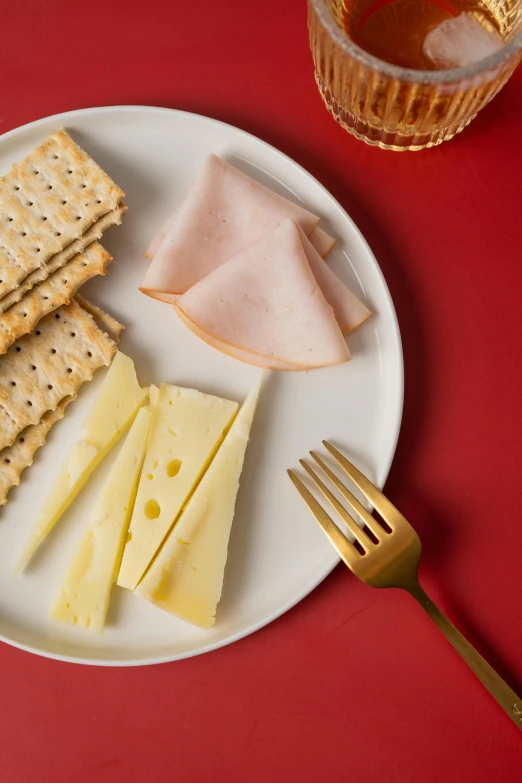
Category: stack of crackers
[54,207]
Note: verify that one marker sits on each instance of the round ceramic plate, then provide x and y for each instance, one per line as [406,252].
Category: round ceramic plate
[277,552]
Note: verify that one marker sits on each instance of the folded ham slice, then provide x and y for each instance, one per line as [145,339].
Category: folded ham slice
[348,310]
[236,353]
[224,213]
[266,303]
[322,241]
[160,236]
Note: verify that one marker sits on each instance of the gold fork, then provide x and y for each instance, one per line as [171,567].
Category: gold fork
[388,555]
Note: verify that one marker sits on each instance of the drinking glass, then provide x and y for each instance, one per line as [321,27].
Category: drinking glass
[400,108]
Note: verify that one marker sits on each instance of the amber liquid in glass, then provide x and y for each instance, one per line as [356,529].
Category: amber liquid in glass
[391,108]
[395,30]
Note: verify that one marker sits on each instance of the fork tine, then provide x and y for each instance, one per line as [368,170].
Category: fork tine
[381,503]
[358,507]
[348,520]
[345,549]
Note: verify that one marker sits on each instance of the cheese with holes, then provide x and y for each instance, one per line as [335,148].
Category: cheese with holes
[188,428]
[112,413]
[186,578]
[84,596]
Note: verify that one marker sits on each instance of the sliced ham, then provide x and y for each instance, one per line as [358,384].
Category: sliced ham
[160,236]
[265,302]
[231,350]
[225,212]
[348,310]
[322,241]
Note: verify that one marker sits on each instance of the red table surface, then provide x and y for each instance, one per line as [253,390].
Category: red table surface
[353,684]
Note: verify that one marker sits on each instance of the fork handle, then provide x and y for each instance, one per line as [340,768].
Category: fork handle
[500,690]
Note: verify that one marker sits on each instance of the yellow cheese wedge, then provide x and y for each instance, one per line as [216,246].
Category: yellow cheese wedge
[112,413]
[188,428]
[186,578]
[84,597]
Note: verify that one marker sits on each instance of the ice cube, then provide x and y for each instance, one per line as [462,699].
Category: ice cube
[460,41]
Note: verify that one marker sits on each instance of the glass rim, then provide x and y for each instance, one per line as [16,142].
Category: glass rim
[450,76]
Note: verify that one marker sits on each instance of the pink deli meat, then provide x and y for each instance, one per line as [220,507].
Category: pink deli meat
[265,302]
[348,310]
[224,213]
[322,241]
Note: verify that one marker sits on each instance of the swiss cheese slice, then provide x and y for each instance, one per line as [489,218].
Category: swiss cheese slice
[188,428]
[186,578]
[113,411]
[84,596]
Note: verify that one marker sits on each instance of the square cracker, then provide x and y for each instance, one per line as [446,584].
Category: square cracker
[51,363]
[109,325]
[46,202]
[57,290]
[15,458]
[114,217]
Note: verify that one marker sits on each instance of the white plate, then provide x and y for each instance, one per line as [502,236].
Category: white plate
[277,552]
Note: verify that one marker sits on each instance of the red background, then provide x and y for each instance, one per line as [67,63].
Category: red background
[353,684]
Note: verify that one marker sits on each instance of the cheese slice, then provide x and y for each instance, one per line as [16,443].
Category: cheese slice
[186,578]
[112,413]
[188,428]
[84,597]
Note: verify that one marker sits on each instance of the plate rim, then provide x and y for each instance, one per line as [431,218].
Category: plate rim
[399,402]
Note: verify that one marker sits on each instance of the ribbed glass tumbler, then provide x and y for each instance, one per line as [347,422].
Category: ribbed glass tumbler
[399,108]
